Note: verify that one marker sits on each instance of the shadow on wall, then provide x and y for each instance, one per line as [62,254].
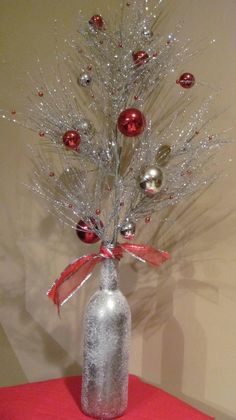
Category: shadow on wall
[183,236]
[61,338]
[172,357]
[56,355]
[42,346]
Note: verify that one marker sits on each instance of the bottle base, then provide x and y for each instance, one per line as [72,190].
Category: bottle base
[103,416]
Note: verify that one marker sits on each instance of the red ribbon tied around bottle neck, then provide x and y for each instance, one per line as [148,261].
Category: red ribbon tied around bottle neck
[79,271]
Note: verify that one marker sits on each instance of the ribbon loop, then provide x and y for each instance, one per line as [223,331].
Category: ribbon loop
[78,272]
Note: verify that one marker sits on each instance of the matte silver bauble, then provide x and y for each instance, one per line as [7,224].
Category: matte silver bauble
[85,80]
[163,155]
[147,34]
[151,180]
[128,229]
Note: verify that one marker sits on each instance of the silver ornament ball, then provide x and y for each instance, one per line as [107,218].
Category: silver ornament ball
[171,38]
[150,180]
[147,34]
[128,229]
[85,80]
[87,128]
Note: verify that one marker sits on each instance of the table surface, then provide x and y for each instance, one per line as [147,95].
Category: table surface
[59,399]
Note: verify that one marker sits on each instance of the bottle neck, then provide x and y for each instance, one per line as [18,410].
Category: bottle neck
[109,274]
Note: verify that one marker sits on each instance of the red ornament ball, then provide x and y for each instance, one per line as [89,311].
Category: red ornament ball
[186,80]
[71,139]
[85,233]
[97,22]
[131,122]
[140,57]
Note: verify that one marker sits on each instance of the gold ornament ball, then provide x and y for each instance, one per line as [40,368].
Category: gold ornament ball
[163,155]
[151,180]
[128,229]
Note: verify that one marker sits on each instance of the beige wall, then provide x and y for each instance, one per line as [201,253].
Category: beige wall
[184,335]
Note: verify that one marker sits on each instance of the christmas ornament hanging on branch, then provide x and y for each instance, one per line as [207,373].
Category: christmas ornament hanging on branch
[186,80]
[112,158]
[85,232]
[131,122]
[71,139]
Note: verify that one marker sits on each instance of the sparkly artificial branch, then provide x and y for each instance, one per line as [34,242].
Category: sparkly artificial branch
[89,165]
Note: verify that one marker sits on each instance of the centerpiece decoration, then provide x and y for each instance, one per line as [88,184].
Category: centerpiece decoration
[117,144]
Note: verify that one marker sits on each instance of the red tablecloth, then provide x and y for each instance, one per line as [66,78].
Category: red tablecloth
[58,399]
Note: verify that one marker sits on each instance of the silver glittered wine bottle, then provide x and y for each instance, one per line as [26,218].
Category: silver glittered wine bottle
[107,327]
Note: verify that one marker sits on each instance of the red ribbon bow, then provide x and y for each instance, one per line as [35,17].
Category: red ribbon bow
[78,272]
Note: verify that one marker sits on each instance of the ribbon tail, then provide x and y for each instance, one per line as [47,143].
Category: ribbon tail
[72,278]
[146,253]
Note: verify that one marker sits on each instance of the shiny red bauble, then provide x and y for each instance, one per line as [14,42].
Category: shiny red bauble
[186,80]
[140,57]
[131,122]
[71,139]
[97,22]
[85,233]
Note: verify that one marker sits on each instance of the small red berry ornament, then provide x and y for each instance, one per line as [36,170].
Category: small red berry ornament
[71,139]
[85,232]
[140,57]
[131,122]
[186,80]
[97,22]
